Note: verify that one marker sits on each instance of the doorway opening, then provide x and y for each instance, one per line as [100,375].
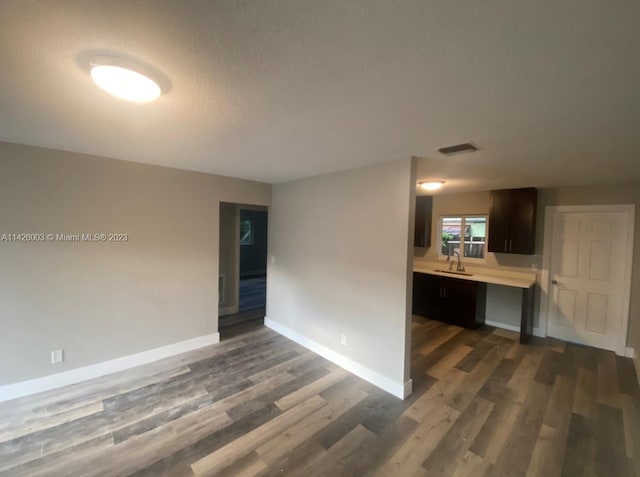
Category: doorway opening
[253,258]
[242,267]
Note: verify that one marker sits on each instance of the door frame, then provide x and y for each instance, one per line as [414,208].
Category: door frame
[545,278]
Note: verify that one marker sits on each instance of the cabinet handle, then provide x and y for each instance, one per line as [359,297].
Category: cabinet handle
[444,293]
[505,245]
[510,243]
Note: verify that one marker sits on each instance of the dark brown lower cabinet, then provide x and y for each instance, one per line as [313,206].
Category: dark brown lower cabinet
[452,300]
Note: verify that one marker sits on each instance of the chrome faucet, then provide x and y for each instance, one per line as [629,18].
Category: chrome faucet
[459,268]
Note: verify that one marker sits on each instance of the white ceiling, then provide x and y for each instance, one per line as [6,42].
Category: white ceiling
[278,90]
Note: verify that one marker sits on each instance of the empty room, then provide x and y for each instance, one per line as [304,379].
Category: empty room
[361,238]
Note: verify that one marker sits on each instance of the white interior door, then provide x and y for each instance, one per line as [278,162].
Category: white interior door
[588,274]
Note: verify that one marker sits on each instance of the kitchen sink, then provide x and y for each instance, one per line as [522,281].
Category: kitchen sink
[454,272]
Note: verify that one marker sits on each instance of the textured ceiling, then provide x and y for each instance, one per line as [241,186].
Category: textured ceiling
[277,90]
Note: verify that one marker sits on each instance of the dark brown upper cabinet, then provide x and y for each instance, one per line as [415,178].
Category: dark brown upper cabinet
[512,221]
[424,206]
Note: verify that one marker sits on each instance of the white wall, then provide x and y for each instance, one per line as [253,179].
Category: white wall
[341,249]
[100,301]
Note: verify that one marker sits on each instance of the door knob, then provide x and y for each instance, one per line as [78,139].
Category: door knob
[555,282]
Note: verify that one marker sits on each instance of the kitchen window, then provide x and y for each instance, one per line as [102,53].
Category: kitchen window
[467,233]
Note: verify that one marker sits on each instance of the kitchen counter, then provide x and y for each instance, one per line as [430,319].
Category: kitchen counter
[525,281]
[509,279]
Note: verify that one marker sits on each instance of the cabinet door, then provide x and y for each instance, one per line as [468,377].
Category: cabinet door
[460,301]
[522,221]
[498,240]
[422,236]
[426,299]
[512,221]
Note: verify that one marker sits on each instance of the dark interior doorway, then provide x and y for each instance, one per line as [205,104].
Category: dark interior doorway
[253,259]
[242,267]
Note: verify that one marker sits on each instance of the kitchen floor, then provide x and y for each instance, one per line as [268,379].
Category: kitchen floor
[258,404]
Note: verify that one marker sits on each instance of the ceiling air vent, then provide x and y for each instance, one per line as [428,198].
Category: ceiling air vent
[457,149]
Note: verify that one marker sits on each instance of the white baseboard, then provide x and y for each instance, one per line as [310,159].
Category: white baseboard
[538,332]
[408,389]
[398,389]
[73,376]
[629,352]
[228,310]
[505,326]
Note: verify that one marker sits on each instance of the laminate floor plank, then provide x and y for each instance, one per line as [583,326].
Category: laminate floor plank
[586,395]
[631,418]
[470,465]
[524,375]
[475,380]
[496,430]
[611,456]
[580,451]
[316,387]
[452,447]
[342,459]
[451,359]
[339,428]
[627,377]
[372,453]
[408,459]
[260,405]
[240,447]
[517,452]
[41,423]
[439,336]
[245,407]
[296,461]
[607,379]
[296,435]
[549,451]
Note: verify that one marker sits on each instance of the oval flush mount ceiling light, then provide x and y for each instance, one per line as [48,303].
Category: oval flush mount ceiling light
[122,81]
[431,185]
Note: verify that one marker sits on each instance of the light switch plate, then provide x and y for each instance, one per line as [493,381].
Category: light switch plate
[57,356]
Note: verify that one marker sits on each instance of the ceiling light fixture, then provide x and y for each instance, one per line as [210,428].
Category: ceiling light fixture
[431,185]
[122,81]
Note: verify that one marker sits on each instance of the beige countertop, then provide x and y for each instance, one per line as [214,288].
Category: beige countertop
[495,277]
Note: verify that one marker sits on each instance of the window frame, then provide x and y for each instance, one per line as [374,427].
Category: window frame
[463,218]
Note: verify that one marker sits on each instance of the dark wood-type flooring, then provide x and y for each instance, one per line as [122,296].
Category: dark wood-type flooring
[252,293]
[258,404]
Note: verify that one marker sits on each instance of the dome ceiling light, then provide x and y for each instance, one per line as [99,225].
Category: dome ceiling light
[431,185]
[123,81]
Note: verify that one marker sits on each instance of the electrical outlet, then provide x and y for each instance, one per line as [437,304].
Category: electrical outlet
[57,356]
[273,259]
[343,339]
